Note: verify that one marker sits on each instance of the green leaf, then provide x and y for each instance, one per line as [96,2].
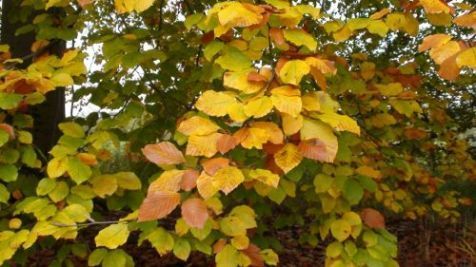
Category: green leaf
[96,257]
[353,191]
[78,171]
[45,186]
[233,59]
[341,229]
[4,194]
[115,258]
[4,137]
[8,172]
[60,192]
[182,249]
[128,180]
[323,182]
[192,20]
[9,101]
[112,236]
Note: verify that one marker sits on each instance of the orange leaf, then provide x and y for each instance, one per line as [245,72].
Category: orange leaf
[163,153]
[226,143]
[194,212]
[253,252]
[189,180]
[211,166]
[433,41]
[157,205]
[373,218]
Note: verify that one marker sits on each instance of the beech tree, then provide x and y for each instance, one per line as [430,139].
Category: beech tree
[207,125]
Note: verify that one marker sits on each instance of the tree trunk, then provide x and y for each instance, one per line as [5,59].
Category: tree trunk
[48,114]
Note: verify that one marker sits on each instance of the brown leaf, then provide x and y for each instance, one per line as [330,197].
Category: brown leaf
[211,166]
[163,153]
[157,205]
[189,180]
[372,218]
[194,212]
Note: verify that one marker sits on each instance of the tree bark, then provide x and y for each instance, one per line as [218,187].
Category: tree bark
[48,114]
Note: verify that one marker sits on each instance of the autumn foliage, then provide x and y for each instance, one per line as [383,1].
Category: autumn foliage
[247,117]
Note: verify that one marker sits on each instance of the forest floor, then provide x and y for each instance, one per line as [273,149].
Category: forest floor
[421,244]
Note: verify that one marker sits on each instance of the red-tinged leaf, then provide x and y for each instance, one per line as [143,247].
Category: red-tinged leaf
[164,153]
[194,212]
[9,129]
[256,77]
[272,166]
[449,70]
[226,143]
[84,3]
[253,252]
[372,218]
[277,36]
[157,205]
[271,149]
[211,166]
[189,180]
[315,149]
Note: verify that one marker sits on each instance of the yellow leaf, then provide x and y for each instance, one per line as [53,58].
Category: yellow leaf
[237,112]
[274,132]
[467,58]
[228,178]
[235,14]
[378,27]
[391,89]
[287,99]
[197,125]
[288,157]
[293,71]
[323,65]
[343,34]
[206,186]
[291,125]
[341,229]
[300,38]
[443,52]
[57,167]
[265,176]
[258,107]
[340,122]
[203,145]
[123,6]
[316,130]
[112,236]
[215,103]
[168,181]
[238,80]
[252,137]
[104,185]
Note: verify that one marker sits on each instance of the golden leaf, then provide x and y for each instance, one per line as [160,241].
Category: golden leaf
[288,157]
[287,99]
[163,153]
[197,125]
[258,107]
[203,145]
[228,178]
[293,71]
[215,103]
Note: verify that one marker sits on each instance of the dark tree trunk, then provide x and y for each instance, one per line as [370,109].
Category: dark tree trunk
[52,111]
